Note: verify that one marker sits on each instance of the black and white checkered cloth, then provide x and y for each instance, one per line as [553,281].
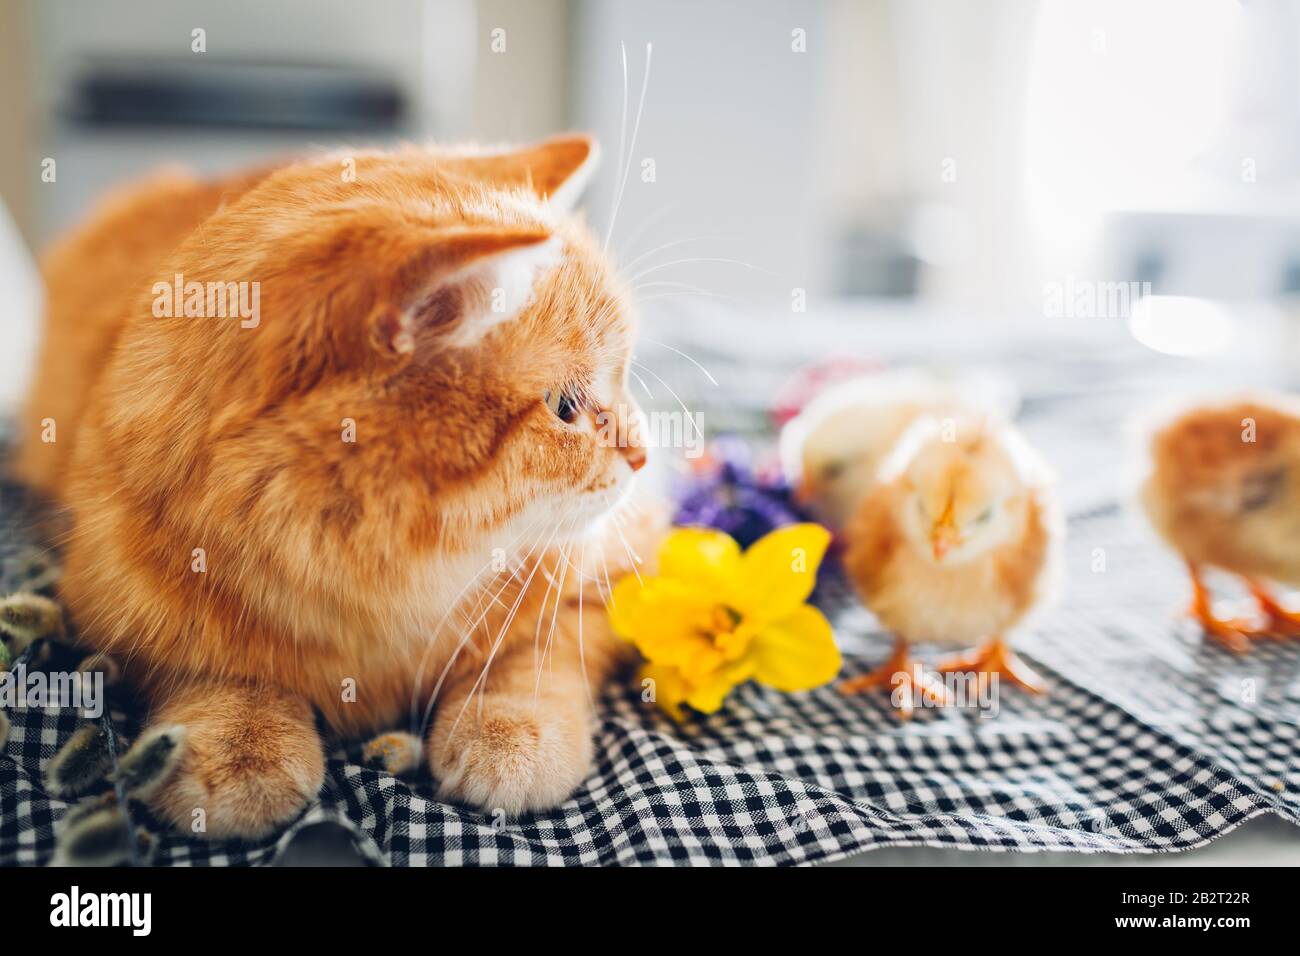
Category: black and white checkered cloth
[1148,739]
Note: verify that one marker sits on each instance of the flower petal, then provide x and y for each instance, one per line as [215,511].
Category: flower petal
[707,696]
[701,556]
[669,689]
[669,622]
[625,605]
[780,568]
[797,652]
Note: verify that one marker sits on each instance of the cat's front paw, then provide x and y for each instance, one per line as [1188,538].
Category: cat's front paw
[252,762]
[512,755]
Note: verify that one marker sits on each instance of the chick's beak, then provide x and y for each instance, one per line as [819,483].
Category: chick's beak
[944,535]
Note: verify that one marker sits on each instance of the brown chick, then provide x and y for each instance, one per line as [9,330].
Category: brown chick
[956,544]
[1224,491]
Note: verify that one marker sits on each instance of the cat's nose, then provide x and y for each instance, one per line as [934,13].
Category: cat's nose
[635,456]
[624,431]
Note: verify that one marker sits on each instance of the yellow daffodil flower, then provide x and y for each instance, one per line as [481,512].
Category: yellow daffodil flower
[713,617]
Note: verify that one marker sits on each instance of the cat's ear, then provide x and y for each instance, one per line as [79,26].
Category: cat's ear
[380,292]
[466,281]
[556,169]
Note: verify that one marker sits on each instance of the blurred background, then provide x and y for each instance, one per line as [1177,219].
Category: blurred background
[1035,161]
[1101,199]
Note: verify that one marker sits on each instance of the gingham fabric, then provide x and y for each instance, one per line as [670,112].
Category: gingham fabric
[1147,740]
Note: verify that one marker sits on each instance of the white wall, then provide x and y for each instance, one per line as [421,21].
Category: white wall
[729,121]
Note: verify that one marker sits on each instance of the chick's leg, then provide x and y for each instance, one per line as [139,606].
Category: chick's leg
[904,675]
[1281,620]
[1231,633]
[995,657]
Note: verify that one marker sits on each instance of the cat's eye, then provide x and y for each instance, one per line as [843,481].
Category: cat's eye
[984,516]
[832,471]
[564,406]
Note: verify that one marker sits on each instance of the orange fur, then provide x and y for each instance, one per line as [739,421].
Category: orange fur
[331,564]
[983,590]
[1226,502]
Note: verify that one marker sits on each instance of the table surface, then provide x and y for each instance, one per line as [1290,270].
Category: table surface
[752,356]
[1264,841]
[744,356]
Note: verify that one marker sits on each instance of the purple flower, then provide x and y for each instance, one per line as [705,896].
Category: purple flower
[728,493]
[731,497]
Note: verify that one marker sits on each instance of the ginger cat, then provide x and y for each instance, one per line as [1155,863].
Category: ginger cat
[309,507]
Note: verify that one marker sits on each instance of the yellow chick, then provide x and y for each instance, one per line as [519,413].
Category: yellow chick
[1224,491]
[957,543]
[833,449]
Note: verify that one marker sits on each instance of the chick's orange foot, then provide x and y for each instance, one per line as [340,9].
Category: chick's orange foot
[1232,633]
[1273,621]
[1280,621]
[995,657]
[906,680]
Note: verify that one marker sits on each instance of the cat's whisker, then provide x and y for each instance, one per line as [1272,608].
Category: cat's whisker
[685,411]
[555,615]
[630,511]
[667,245]
[550,583]
[687,260]
[664,345]
[437,630]
[600,588]
[468,618]
[505,627]
[523,590]
[622,147]
[582,652]
[609,588]
[635,558]
[642,300]
[471,630]
[636,128]
[645,225]
[641,382]
[455,603]
[670,284]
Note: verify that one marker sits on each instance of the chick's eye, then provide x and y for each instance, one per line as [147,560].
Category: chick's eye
[984,515]
[564,406]
[832,471]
